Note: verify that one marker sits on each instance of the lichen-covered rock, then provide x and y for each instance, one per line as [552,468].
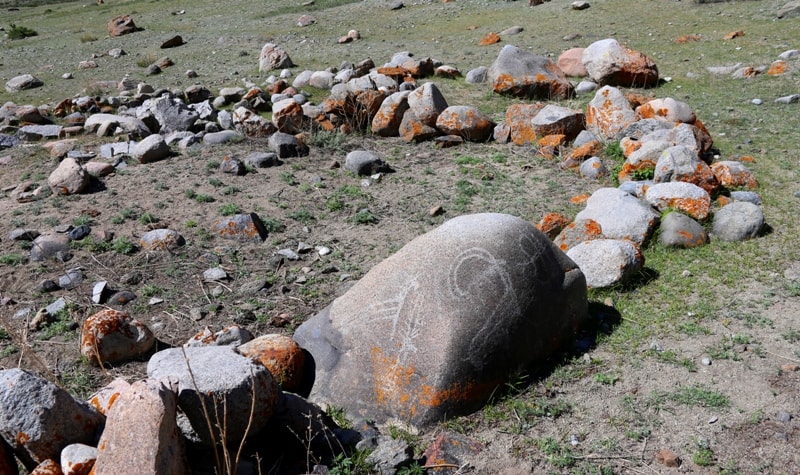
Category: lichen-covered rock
[679,230]
[467,122]
[609,113]
[241,227]
[609,63]
[522,74]
[432,331]
[282,356]
[161,240]
[685,197]
[110,336]
[620,215]
[607,262]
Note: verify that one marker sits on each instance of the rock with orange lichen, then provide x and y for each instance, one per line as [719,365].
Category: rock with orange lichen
[282,356]
[681,163]
[434,329]
[609,63]
[668,109]
[161,240]
[233,335]
[578,232]
[593,168]
[609,113]
[519,73]
[552,223]
[518,120]
[427,102]
[489,39]
[607,262]
[78,459]
[414,130]
[38,419]
[642,162]
[105,397]
[685,197]
[467,122]
[110,336]
[679,230]
[141,428]
[554,119]
[620,215]
[386,122]
[734,175]
[47,467]
[241,227]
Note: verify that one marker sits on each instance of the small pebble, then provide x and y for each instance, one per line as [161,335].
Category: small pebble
[686,273]
[155,301]
[713,419]
[783,416]
[757,102]
[573,440]
[706,361]
[656,346]
[322,250]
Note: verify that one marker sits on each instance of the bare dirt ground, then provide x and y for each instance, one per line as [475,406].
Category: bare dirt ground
[640,387]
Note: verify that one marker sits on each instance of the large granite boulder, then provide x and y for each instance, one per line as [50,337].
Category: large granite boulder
[433,330]
[609,63]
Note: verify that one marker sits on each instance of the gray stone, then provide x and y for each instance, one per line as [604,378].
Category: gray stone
[273,57]
[233,335]
[38,419]
[477,75]
[606,262]
[8,141]
[466,122]
[554,119]
[789,10]
[36,132]
[23,234]
[172,114]
[111,150]
[609,63]
[232,166]
[72,279]
[790,99]
[738,221]
[679,230]
[214,274]
[749,196]
[585,87]
[75,457]
[286,145]
[68,178]
[151,149]
[620,215]
[523,74]
[390,455]
[57,306]
[161,240]
[363,162]
[142,427]
[593,168]
[51,246]
[609,113]
[241,227]
[122,124]
[222,137]
[23,82]
[321,80]
[261,159]
[228,384]
[431,331]
[427,102]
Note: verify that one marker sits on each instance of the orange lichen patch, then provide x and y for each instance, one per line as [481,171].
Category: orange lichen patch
[252,93]
[406,393]
[734,177]
[323,121]
[637,100]
[48,467]
[22,438]
[750,72]
[629,146]
[747,158]
[587,150]
[489,39]
[548,153]
[686,39]
[281,355]
[734,34]
[629,172]
[579,199]
[504,83]
[553,140]
[392,71]
[777,68]
[696,208]
[552,223]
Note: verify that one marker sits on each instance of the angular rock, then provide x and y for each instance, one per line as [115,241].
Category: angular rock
[681,163]
[282,356]
[233,335]
[287,115]
[609,113]
[142,427]
[607,262]
[477,75]
[679,230]
[232,166]
[685,197]
[172,114]
[261,159]
[522,74]
[69,178]
[51,246]
[121,25]
[161,240]
[738,221]
[222,137]
[434,329]
[553,119]
[467,122]
[427,102]
[241,227]
[363,162]
[222,381]
[414,130]
[38,419]
[121,124]
[23,82]
[620,215]
[286,145]
[105,397]
[609,63]
[273,57]
[519,119]
[386,122]
[110,336]
[732,175]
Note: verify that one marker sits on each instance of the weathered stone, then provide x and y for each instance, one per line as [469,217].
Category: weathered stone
[732,175]
[161,240]
[433,330]
[553,119]
[261,159]
[522,74]
[552,224]
[229,384]
[685,197]
[47,467]
[121,124]
[286,145]
[609,63]
[282,356]
[222,137]
[273,57]
[363,162]
[173,42]
[414,130]
[477,75]
[609,113]
[51,246]
[679,230]
[738,221]
[606,262]
[233,335]
[667,109]
[577,232]
[141,427]
[571,62]
[427,102]
[232,166]
[151,149]
[23,82]
[172,114]
[68,178]
[38,419]
[681,163]
[453,449]
[104,398]
[110,336]
[467,122]
[78,459]
[287,115]
[386,122]
[121,25]
[620,215]
[241,227]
